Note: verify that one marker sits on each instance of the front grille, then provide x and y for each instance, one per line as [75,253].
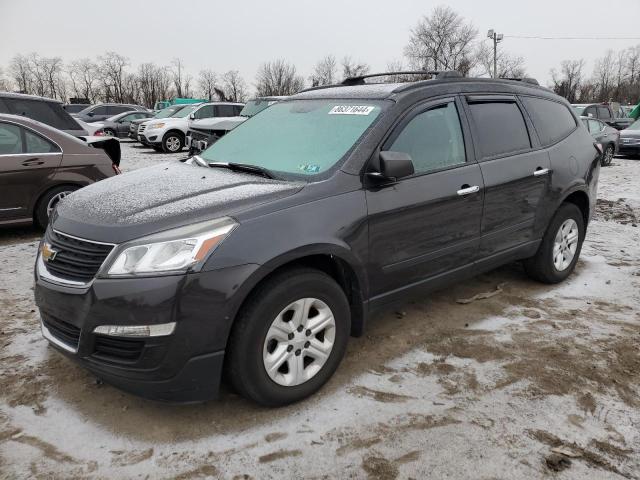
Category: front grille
[61,330]
[117,349]
[75,259]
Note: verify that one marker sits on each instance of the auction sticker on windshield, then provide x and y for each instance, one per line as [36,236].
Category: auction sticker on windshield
[351,110]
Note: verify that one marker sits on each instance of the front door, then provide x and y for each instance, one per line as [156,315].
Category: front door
[428,224]
[27,162]
[516,176]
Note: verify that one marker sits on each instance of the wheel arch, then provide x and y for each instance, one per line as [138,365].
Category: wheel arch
[579,198]
[36,199]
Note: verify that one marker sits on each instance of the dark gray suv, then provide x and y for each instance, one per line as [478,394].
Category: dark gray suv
[263,254]
[102,111]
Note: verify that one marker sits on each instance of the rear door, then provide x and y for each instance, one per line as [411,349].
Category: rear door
[516,176]
[427,224]
[28,162]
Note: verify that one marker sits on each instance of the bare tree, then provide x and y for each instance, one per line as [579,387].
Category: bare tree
[181,79]
[234,88]
[442,41]
[351,68]
[509,66]
[20,73]
[603,73]
[568,82]
[324,72]
[153,83]
[111,69]
[4,81]
[83,75]
[207,81]
[278,78]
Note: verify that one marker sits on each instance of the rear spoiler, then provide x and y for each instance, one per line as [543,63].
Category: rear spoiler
[110,145]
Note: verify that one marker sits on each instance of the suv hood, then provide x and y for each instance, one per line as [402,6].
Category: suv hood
[169,121]
[219,123]
[157,198]
[630,133]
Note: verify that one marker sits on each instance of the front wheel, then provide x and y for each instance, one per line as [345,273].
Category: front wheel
[560,249]
[172,142]
[607,156]
[289,338]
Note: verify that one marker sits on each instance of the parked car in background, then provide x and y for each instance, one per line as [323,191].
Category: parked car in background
[45,110]
[90,128]
[263,254]
[75,107]
[616,118]
[169,134]
[204,132]
[102,111]
[630,140]
[608,137]
[118,125]
[40,165]
[164,113]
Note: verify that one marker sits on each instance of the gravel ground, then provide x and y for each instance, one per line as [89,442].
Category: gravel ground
[532,382]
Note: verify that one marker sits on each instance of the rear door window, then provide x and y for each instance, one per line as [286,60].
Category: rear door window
[552,120]
[116,109]
[36,144]
[204,112]
[225,111]
[49,113]
[500,128]
[603,113]
[433,139]
[595,126]
[10,139]
[590,112]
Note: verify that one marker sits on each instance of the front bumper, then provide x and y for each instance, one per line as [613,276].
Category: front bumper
[185,366]
[150,138]
[631,147]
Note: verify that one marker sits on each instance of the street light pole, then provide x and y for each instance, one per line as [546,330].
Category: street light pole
[497,38]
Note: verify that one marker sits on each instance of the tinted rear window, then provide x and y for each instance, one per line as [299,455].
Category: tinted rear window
[603,112]
[552,120]
[48,113]
[225,111]
[501,128]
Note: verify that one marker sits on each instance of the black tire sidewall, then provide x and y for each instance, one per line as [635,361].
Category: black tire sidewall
[565,212]
[247,355]
[167,137]
[40,214]
[606,162]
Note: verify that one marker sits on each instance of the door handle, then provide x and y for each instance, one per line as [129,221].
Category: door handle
[467,190]
[32,161]
[540,171]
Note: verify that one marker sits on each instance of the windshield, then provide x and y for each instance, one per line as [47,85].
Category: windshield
[255,106]
[169,111]
[185,111]
[300,137]
[634,126]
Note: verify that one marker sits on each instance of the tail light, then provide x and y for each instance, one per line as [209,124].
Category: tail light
[98,133]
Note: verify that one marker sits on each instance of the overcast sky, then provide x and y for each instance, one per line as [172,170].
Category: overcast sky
[240,34]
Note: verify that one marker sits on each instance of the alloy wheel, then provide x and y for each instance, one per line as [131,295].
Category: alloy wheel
[565,244]
[299,342]
[173,144]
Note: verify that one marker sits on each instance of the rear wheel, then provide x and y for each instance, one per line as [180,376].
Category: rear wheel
[48,202]
[172,142]
[109,132]
[289,338]
[607,156]
[560,249]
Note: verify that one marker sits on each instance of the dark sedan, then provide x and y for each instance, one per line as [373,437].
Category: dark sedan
[40,165]
[608,138]
[630,140]
[102,111]
[118,125]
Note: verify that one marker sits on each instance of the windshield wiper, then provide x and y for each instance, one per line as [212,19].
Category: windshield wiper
[243,167]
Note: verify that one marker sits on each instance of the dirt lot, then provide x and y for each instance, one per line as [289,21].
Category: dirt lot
[533,382]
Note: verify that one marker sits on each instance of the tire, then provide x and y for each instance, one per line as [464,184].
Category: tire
[607,155]
[48,202]
[172,142]
[108,132]
[252,346]
[542,266]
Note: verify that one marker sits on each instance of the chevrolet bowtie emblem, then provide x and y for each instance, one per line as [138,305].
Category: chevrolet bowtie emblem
[48,253]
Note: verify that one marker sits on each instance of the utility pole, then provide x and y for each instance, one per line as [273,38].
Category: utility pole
[497,38]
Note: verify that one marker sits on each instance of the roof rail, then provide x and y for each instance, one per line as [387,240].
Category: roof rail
[530,80]
[359,80]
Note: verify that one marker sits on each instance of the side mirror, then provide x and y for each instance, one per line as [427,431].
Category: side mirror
[394,165]
[192,116]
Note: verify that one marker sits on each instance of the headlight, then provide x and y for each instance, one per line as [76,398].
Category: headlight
[156,125]
[178,250]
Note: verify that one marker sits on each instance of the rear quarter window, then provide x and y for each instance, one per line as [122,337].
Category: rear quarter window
[552,120]
[500,128]
[48,113]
